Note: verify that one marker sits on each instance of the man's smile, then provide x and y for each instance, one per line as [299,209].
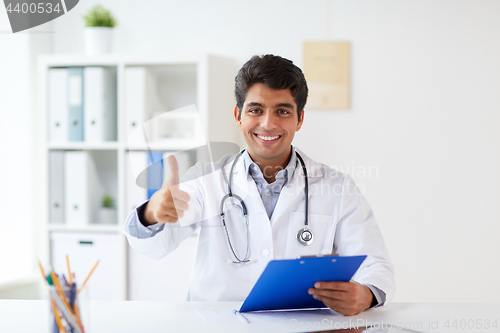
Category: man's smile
[267,138]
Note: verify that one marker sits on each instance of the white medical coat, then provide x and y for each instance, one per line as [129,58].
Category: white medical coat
[339,216]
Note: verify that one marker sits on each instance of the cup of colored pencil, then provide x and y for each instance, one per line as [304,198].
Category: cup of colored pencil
[64,300]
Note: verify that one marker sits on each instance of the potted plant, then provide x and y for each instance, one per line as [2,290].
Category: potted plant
[107,213]
[98,31]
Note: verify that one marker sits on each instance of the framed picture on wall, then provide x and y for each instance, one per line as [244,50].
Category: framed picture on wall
[327,68]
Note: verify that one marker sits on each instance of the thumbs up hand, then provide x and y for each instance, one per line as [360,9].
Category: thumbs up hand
[168,203]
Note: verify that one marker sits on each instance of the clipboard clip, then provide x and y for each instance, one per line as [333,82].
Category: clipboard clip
[318,256]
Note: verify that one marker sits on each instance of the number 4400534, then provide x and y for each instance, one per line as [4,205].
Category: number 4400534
[471,324]
[34,8]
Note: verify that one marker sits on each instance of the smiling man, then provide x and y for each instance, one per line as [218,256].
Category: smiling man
[268,120]
[251,209]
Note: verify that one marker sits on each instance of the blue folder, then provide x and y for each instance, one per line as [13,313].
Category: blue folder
[75,103]
[284,283]
[155,172]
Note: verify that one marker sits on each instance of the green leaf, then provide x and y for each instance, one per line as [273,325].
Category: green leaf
[108,201]
[99,17]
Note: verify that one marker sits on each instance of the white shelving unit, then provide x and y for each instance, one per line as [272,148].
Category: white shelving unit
[207,82]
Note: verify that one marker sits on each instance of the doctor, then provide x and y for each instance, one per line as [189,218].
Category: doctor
[269,178]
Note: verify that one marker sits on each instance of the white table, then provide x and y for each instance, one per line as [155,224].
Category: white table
[32,316]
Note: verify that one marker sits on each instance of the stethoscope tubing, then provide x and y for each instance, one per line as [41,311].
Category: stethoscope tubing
[303,240]
[306,190]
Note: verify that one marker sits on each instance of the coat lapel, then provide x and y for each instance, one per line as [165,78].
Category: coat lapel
[293,193]
[243,184]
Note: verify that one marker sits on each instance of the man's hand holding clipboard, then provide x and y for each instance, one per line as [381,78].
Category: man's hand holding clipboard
[347,298]
[287,285]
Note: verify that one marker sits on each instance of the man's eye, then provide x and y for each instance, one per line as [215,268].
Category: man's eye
[253,110]
[284,111]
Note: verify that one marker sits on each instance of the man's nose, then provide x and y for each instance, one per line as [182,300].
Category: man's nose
[268,120]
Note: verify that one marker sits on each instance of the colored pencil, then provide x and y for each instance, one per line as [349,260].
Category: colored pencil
[88,276]
[69,271]
[57,316]
[43,273]
[59,290]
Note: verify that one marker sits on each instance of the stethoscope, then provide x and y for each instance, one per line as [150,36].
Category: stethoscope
[304,235]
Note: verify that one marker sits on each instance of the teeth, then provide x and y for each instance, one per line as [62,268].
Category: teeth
[268,138]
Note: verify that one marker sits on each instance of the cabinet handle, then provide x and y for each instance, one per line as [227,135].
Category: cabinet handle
[86,242]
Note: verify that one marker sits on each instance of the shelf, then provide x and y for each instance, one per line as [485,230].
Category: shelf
[178,82]
[174,145]
[104,228]
[68,60]
[83,145]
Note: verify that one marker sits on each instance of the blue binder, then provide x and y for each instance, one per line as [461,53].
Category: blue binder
[284,283]
[155,172]
[75,103]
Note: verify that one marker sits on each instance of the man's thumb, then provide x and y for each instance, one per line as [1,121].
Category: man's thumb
[173,178]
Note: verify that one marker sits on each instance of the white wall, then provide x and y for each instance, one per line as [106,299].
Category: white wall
[425,82]
[426,78]
[18,173]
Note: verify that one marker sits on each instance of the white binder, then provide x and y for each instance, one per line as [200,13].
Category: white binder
[82,189]
[136,164]
[99,105]
[58,105]
[141,100]
[56,186]
[83,250]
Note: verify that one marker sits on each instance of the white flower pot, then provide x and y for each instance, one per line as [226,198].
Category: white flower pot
[107,216]
[98,40]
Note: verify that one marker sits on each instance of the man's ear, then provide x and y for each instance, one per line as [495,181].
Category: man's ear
[237,117]
[299,123]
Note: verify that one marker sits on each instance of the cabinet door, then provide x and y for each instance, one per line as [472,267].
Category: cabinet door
[83,249]
[166,279]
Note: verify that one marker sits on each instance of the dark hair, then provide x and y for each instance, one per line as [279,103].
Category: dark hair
[276,73]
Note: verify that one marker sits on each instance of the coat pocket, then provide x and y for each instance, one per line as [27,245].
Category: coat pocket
[323,230]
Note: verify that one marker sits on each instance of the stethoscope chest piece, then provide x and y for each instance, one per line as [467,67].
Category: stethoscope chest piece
[305,236]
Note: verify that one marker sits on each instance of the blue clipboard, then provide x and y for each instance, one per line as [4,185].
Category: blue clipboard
[284,283]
